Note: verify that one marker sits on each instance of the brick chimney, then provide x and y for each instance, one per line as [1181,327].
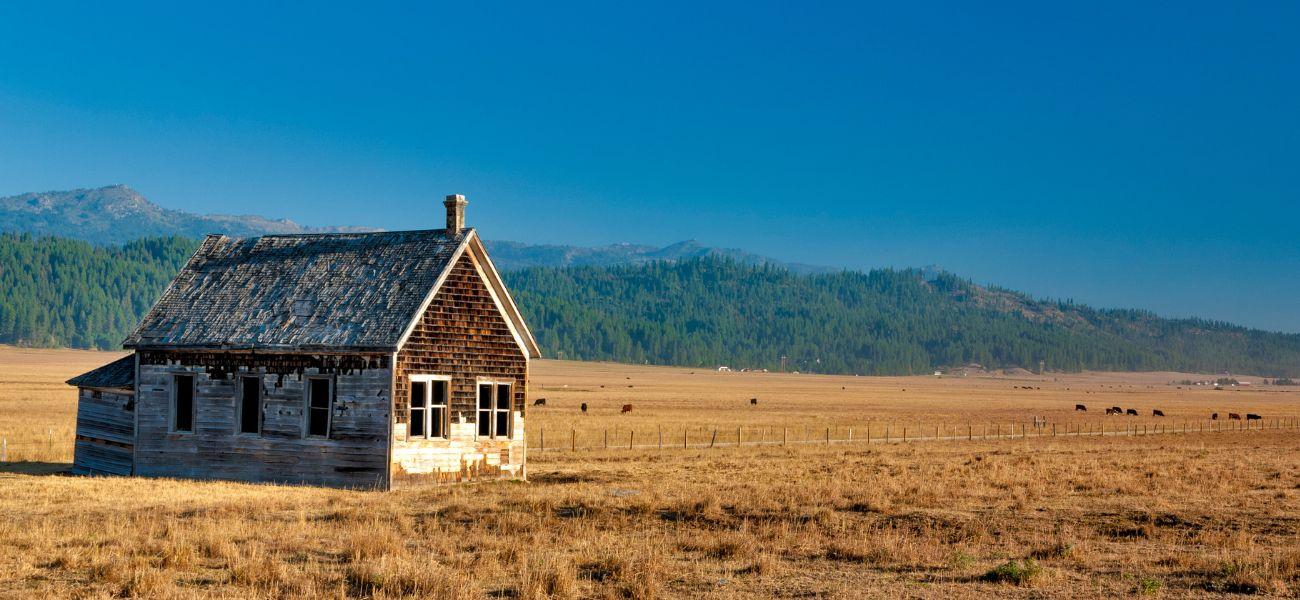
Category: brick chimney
[455,204]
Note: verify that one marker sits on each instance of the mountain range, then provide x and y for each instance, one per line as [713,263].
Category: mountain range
[684,304]
[117,214]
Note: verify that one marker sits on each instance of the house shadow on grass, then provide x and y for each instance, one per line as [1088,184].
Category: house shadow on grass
[26,467]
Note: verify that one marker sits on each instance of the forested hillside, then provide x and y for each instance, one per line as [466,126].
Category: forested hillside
[59,292]
[714,311]
[704,311]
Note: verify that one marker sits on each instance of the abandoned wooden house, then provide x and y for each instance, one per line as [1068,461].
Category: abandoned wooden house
[365,360]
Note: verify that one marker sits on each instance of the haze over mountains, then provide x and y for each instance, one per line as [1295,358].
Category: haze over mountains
[117,214]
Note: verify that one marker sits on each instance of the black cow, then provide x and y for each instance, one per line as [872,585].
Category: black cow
[1253,417]
[539,402]
[1080,407]
[753,401]
[1157,413]
[1131,411]
[584,407]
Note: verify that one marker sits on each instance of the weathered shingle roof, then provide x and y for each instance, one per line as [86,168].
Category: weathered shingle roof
[336,292]
[119,374]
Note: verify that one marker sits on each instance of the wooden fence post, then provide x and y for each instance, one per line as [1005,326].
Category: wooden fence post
[573,440]
[828,436]
[970,434]
[715,437]
[740,433]
[4,450]
[661,437]
[684,445]
[543,440]
[631,435]
[607,439]
[904,433]
[784,436]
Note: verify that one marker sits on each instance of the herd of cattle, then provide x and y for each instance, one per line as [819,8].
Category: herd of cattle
[1115,410]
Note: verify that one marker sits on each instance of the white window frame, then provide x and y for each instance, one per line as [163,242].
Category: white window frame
[239,406]
[428,380]
[306,407]
[194,403]
[478,410]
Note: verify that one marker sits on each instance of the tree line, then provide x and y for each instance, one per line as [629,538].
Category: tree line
[702,312]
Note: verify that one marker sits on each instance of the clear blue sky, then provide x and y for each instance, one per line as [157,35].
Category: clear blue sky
[1116,154]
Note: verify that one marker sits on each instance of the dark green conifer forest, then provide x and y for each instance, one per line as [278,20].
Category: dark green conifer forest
[703,312]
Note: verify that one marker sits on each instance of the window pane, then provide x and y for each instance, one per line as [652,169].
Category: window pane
[439,393]
[319,422]
[417,422]
[484,423]
[417,394]
[250,414]
[183,419]
[503,423]
[435,422]
[320,393]
[503,397]
[485,395]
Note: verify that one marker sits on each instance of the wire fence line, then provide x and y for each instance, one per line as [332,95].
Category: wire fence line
[703,437]
[698,437]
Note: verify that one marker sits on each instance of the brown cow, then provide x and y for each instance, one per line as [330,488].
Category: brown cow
[1157,413]
[1132,411]
[753,401]
[1253,417]
[1234,417]
[584,407]
[1214,417]
[1114,411]
[1080,407]
[627,408]
[1118,410]
[539,402]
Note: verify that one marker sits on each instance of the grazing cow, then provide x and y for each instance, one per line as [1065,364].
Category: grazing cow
[1131,411]
[1114,411]
[627,408]
[1118,410]
[1080,407]
[753,401]
[1234,417]
[1214,417]
[584,407]
[1157,413]
[1253,417]
[539,402]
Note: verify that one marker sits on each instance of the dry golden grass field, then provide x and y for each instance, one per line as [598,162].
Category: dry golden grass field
[1165,514]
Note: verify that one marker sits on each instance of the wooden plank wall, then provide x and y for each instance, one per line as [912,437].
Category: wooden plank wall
[105,432]
[463,335]
[355,455]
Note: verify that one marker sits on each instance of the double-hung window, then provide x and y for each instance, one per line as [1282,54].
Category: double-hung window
[319,406]
[183,403]
[429,416]
[494,409]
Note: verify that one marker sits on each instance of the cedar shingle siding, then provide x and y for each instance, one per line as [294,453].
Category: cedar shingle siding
[461,334]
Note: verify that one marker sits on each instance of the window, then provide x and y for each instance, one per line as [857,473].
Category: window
[250,405]
[429,396]
[183,403]
[494,409]
[320,402]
